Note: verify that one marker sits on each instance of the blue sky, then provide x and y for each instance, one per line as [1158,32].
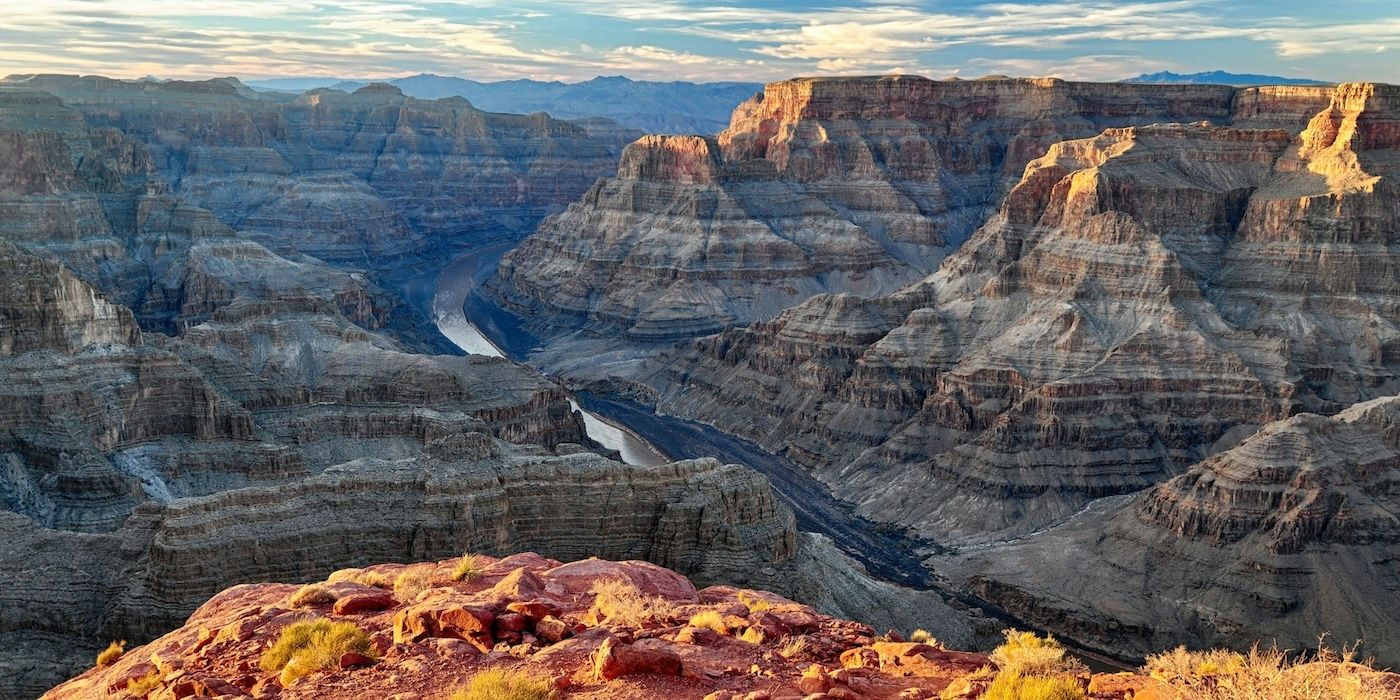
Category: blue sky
[756,40]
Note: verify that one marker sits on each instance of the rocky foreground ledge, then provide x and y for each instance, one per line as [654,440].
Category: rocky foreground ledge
[526,627]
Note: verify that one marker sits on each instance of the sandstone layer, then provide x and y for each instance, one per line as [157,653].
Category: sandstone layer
[1142,299]
[367,178]
[820,185]
[1289,534]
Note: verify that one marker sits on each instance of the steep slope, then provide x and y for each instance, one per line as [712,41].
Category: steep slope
[854,185]
[1292,532]
[1142,299]
[366,178]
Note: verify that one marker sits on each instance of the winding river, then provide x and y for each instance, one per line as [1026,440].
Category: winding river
[644,437]
[457,281]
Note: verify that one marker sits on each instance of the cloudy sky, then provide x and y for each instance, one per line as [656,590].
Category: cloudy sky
[682,39]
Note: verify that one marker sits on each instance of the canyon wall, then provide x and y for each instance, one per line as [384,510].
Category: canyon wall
[368,178]
[855,185]
[1142,298]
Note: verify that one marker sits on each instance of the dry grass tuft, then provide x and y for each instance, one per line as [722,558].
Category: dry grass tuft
[312,595]
[753,635]
[114,651]
[620,603]
[710,620]
[363,577]
[411,582]
[1014,686]
[1226,675]
[469,568]
[1025,654]
[506,684]
[753,602]
[307,646]
[144,685]
[923,637]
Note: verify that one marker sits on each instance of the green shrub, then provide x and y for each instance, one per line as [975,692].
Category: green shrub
[306,646]
[505,684]
[469,568]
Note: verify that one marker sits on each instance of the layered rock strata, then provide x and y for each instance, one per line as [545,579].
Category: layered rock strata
[1291,533]
[365,178]
[1142,299]
[851,185]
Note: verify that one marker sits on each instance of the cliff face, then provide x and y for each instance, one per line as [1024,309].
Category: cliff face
[465,492]
[1290,533]
[1142,298]
[365,178]
[819,185]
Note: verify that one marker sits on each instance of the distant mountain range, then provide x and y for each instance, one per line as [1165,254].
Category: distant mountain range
[654,107]
[1220,77]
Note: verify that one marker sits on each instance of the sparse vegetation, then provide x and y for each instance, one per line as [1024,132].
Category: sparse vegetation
[469,568]
[923,637]
[411,582]
[505,684]
[144,685]
[364,577]
[620,602]
[1026,654]
[710,620]
[753,602]
[1227,675]
[793,648]
[312,595]
[753,635]
[307,646]
[1014,686]
[114,651]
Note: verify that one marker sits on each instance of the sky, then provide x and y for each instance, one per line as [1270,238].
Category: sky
[757,40]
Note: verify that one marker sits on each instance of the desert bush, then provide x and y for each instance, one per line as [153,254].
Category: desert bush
[312,594]
[1226,675]
[1014,686]
[468,568]
[144,685]
[619,602]
[710,620]
[364,577]
[1026,654]
[114,651]
[306,646]
[505,684]
[923,637]
[411,582]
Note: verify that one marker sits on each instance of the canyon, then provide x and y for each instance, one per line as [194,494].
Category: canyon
[1117,361]
[1139,298]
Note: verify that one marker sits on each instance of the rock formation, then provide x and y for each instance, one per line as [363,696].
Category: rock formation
[854,185]
[1142,299]
[367,178]
[592,628]
[1291,532]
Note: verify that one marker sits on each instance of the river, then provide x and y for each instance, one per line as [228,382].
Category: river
[455,284]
